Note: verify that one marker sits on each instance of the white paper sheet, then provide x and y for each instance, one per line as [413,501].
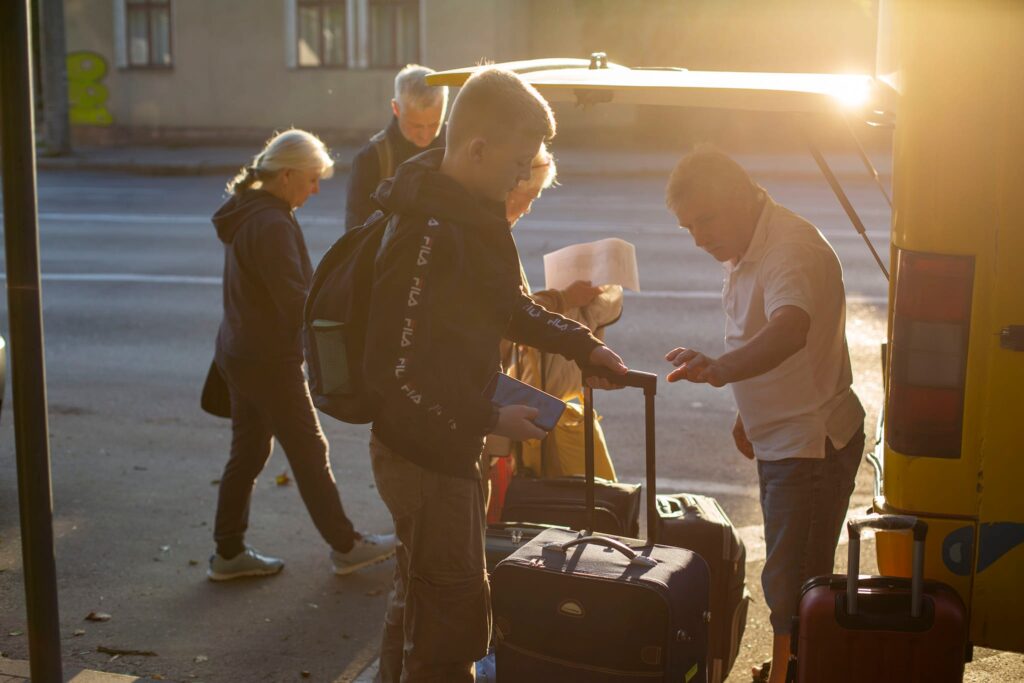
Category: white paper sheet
[606,262]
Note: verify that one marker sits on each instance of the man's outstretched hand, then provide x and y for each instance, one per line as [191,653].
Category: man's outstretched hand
[694,366]
[604,357]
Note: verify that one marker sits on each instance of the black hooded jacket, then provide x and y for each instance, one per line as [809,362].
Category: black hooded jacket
[366,174]
[447,289]
[267,274]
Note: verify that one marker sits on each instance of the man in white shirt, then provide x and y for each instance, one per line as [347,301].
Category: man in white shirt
[789,367]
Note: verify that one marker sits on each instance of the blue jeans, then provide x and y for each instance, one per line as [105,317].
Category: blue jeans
[804,502]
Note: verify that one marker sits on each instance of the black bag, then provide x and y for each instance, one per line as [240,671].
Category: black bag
[215,399]
[335,321]
[583,607]
[699,523]
[503,539]
[560,500]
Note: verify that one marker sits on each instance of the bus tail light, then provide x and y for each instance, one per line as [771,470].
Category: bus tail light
[930,330]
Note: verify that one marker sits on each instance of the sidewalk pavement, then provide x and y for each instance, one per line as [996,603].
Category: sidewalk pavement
[572,161]
[17,671]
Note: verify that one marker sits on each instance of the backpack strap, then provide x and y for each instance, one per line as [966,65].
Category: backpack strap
[385,154]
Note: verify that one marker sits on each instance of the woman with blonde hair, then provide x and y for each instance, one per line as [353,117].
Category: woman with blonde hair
[267,273]
[561,453]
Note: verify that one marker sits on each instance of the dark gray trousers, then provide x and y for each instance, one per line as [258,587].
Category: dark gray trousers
[268,401]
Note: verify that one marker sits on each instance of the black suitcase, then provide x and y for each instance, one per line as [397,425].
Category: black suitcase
[560,500]
[585,607]
[699,523]
[504,538]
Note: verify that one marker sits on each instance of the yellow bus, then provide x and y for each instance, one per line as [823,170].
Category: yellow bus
[951,445]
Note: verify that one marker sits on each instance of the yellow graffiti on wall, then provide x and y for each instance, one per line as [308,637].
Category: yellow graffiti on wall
[87,96]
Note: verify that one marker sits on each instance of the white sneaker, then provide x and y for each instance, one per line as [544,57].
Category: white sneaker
[246,563]
[368,550]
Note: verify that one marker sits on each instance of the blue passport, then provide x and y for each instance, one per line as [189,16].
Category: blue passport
[506,391]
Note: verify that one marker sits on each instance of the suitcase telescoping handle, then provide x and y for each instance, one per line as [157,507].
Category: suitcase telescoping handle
[641,380]
[888,523]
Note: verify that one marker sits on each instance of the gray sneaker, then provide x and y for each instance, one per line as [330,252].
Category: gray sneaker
[368,550]
[246,563]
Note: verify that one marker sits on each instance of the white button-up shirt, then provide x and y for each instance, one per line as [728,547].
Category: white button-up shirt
[789,411]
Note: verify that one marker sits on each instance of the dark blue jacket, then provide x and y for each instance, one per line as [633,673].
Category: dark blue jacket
[267,274]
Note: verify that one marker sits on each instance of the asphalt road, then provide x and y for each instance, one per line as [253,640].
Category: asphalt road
[132,301]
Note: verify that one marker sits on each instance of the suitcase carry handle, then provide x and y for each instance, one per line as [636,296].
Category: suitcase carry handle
[634,378]
[614,544]
[888,523]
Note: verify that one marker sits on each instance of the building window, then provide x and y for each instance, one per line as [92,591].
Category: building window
[361,34]
[394,35]
[322,33]
[147,28]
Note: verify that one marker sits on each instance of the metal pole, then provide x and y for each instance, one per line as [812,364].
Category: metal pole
[31,434]
[652,475]
[588,456]
[55,78]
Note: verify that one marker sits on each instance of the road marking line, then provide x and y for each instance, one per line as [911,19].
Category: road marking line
[129,277]
[717,296]
[173,279]
[538,226]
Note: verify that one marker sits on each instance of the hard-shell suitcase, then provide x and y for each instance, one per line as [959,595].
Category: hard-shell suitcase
[881,629]
[699,523]
[560,501]
[581,607]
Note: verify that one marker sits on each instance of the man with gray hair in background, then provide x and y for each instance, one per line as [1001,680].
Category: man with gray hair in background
[416,126]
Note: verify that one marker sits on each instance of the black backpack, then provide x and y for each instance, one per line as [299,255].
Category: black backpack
[335,321]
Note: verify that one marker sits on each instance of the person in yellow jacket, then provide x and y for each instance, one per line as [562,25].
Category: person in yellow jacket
[561,453]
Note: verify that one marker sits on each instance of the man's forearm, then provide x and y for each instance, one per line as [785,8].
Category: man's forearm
[783,336]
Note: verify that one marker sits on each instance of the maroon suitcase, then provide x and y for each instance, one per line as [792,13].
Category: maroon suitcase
[880,629]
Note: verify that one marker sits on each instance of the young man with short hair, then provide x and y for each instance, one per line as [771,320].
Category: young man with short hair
[789,366]
[446,291]
[416,125]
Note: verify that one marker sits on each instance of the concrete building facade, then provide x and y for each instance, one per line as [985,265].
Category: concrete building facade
[234,70]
